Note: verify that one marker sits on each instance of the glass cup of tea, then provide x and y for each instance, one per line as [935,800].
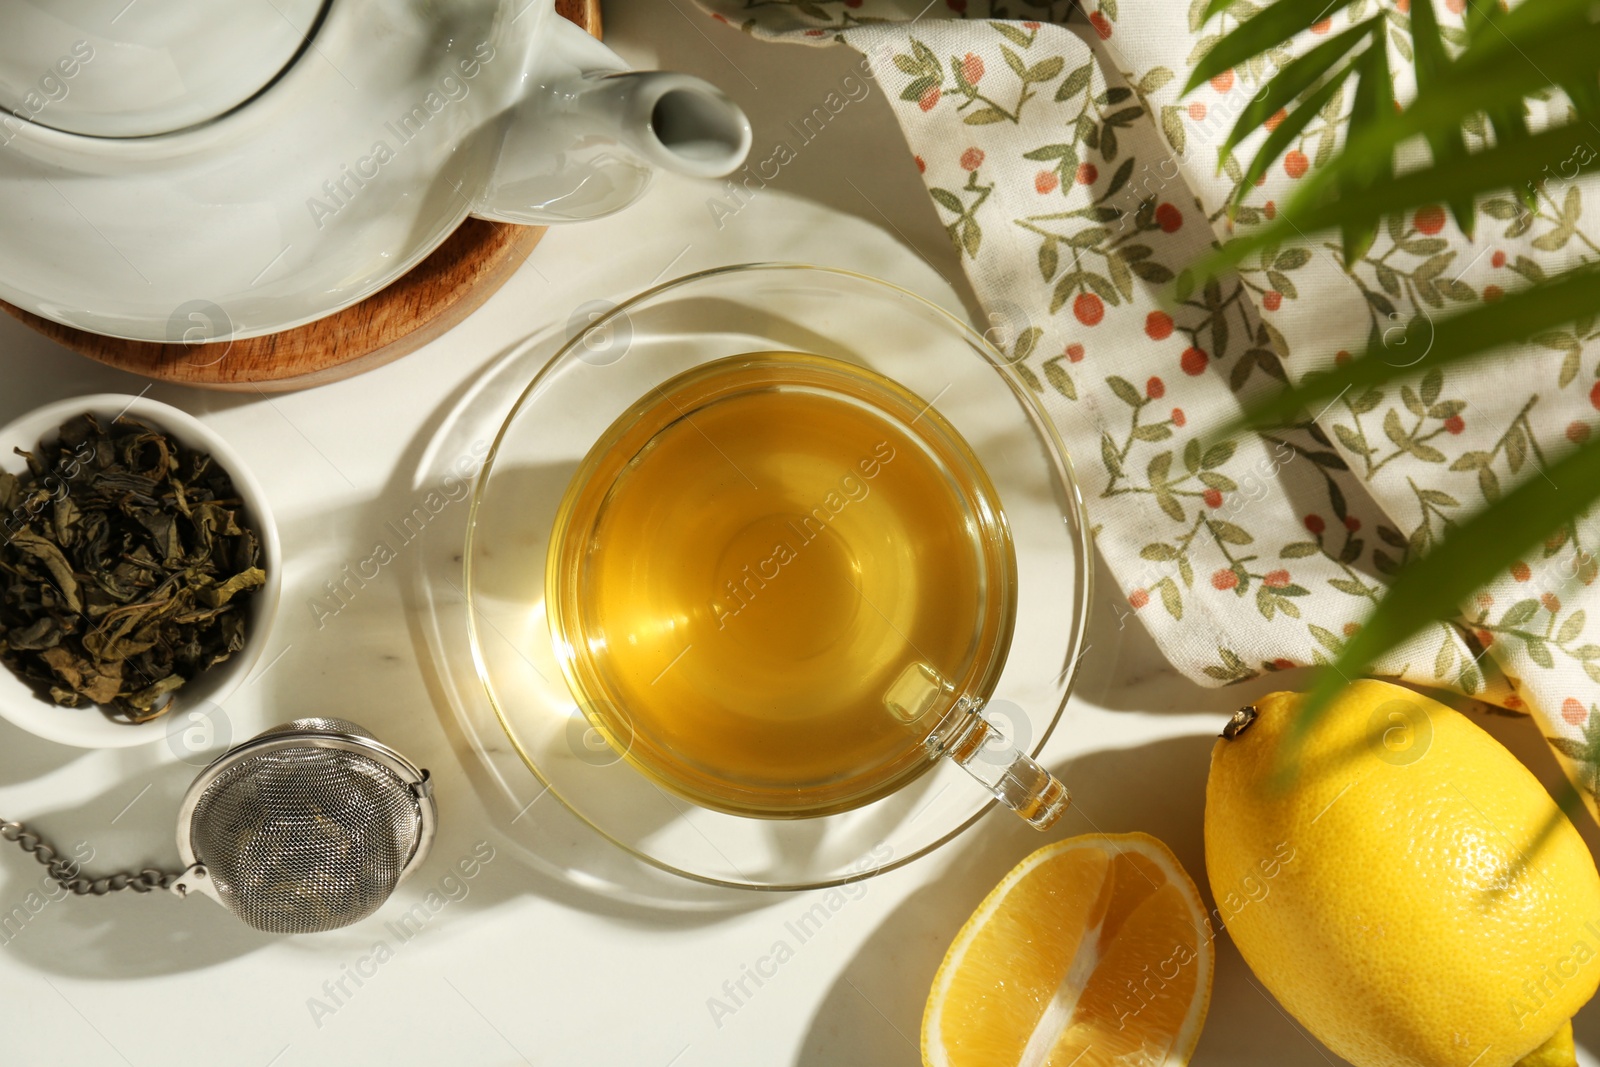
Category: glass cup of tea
[820,549]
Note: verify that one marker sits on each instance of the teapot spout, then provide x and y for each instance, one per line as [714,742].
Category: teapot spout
[582,145]
[674,121]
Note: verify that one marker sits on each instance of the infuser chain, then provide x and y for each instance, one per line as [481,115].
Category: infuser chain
[66,872]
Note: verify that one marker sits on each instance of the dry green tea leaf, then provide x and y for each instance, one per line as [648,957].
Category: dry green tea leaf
[126,568]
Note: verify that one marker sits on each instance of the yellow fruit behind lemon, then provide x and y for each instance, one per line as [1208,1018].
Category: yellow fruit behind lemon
[1093,951]
[1392,895]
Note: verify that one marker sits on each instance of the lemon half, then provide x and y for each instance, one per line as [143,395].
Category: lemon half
[1092,952]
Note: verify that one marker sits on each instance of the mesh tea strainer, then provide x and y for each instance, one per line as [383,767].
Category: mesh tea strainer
[306,827]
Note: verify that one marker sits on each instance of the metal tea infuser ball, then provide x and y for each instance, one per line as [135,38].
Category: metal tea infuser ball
[306,827]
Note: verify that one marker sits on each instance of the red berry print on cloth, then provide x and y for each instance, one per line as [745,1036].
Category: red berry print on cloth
[1088,308]
[1193,361]
[1429,219]
[1158,325]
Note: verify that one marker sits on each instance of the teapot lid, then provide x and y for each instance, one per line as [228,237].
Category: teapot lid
[115,68]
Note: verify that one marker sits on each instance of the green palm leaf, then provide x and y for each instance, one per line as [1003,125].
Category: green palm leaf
[1493,75]
[1432,64]
[1563,150]
[1374,101]
[1509,55]
[1295,78]
[1266,30]
[1507,120]
[1449,341]
[1433,587]
[1291,126]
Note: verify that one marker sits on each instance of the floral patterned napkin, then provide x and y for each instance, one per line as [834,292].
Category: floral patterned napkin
[1076,184]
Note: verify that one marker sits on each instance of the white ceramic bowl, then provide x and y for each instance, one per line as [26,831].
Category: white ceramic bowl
[88,727]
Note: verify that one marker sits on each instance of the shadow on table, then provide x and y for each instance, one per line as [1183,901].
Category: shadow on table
[119,935]
[872,1017]
[373,635]
[25,757]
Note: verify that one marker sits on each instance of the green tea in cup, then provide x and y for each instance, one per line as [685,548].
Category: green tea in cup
[753,559]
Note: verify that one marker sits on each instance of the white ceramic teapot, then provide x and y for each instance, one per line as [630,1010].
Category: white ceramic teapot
[273,161]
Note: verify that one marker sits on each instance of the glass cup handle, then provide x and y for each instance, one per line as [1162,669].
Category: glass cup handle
[962,733]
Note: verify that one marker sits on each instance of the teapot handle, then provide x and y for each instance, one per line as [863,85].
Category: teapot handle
[585,142]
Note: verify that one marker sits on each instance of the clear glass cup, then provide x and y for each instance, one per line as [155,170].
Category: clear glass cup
[988,723]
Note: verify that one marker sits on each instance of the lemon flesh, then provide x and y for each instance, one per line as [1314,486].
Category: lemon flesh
[1393,890]
[1093,952]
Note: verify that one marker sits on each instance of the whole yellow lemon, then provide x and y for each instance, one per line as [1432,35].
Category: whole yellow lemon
[1405,888]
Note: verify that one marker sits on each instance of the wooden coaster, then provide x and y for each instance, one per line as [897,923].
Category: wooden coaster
[416,308]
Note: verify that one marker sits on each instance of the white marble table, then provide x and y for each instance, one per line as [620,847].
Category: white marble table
[560,950]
